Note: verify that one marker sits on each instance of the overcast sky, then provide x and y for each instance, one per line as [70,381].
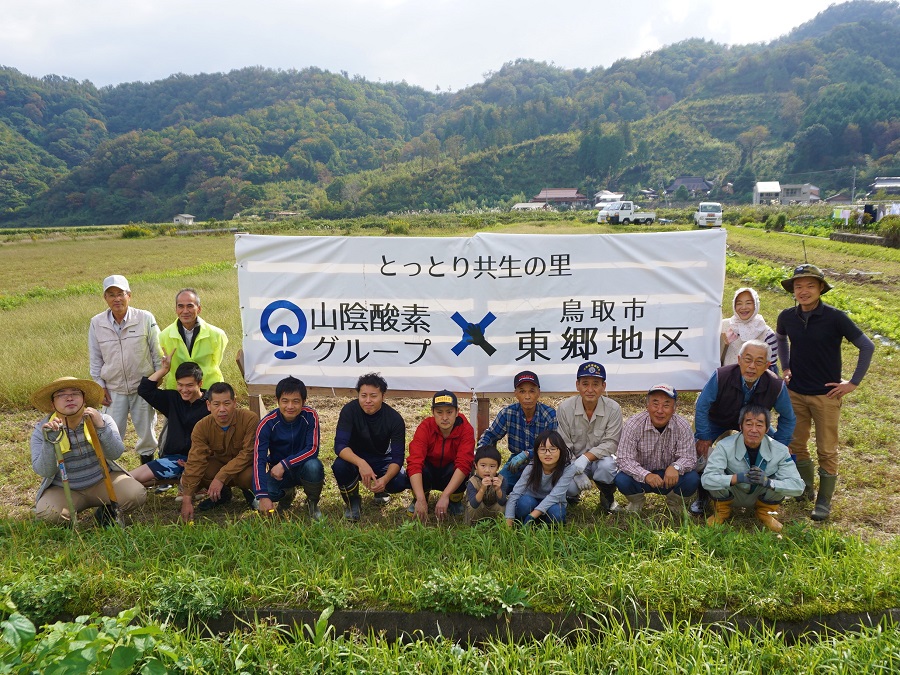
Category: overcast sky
[446,43]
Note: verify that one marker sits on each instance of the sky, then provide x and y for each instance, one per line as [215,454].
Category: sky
[449,44]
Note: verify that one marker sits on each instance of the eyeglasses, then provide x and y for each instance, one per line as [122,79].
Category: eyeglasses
[548,451]
[68,394]
[758,362]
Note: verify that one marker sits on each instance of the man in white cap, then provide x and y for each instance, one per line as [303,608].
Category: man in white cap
[124,347]
[75,427]
[656,453]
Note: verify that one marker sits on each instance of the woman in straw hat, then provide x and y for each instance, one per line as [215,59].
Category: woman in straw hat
[82,432]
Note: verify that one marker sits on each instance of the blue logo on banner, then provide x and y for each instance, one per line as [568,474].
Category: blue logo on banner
[284,336]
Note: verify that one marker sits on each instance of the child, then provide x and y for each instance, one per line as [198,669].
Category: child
[746,324]
[486,490]
[540,494]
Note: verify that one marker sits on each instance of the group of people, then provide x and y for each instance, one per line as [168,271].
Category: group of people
[735,455]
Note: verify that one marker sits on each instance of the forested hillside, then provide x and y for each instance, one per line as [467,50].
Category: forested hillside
[823,98]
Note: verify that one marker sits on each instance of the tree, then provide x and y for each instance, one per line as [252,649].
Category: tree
[750,140]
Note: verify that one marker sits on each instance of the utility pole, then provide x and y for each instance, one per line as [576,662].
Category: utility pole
[853,189]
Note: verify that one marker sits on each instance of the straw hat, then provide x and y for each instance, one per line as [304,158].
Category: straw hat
[42,399]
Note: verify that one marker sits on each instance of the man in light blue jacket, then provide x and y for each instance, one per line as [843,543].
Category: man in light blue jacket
[751,469]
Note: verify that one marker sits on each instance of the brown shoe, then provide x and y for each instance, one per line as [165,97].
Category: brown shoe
[766,513]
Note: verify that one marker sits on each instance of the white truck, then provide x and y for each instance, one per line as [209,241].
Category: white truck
[625,213]
[708,215]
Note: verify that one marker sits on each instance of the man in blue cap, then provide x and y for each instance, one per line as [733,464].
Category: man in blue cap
[591,424]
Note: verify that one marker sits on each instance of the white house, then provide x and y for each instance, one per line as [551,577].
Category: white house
[766,192]
[804,193]
[184,219]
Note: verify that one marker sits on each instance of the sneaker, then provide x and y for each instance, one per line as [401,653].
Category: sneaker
[698,506]
[573,501]
[250,498]
[162,488]
[411,509]
[381,499]
[456,508]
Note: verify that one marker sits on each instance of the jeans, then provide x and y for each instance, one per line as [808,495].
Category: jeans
[310,471]
[555,515]
[686,485]
[437,478]
[347,475]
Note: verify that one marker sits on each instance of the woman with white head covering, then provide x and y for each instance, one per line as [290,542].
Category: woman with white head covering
[746,324]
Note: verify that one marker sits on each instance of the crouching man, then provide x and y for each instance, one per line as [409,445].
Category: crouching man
[221,452]
[73,476]
[751,469]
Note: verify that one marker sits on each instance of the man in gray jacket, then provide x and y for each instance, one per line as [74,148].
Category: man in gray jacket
[124,347]
[751,470]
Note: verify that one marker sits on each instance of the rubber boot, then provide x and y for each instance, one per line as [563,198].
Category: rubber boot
[808,474]
[721,511]
[635,502]
[456,507]
[146,459]
[607,497]
[352,502]
[767,515]
[822,509]
[698,507]
[313,493]
[676,503]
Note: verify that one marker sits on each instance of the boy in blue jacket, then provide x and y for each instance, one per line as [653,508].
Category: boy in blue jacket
[286,452]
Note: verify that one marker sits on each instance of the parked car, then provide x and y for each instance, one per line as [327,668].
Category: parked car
[709,214]
[625,213]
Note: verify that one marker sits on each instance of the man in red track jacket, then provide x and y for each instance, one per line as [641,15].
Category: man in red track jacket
[440,458]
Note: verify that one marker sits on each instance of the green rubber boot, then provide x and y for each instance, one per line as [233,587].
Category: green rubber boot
[352,502]
[808,474]
[822,509]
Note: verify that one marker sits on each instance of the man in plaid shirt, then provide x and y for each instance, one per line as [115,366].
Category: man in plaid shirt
[520,422]
[656,453]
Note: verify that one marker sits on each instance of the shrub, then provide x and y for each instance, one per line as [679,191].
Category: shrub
[478,595]
[186,595]
[135,232]
[889,228]
[396,227]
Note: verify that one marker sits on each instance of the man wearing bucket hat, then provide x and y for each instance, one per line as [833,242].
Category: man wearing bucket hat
[123,343]
[812,371]
[591,424]
[76,428]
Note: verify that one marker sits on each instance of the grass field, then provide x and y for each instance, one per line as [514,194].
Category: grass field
[50,291]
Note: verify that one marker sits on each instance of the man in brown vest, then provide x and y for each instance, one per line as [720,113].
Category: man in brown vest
[731,388]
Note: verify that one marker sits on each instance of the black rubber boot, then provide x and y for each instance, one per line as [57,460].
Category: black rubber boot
[352,503]
[698,506]
[146,459]
[822,509]
[313,494]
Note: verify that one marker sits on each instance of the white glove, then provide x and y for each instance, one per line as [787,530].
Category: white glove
[580,464]
[582,482]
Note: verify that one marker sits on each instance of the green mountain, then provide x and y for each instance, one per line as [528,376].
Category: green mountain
[805,107]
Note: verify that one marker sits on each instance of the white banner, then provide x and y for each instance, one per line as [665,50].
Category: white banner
[467,313]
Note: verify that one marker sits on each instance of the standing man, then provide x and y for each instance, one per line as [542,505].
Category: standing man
[656,453]
[286,452]
[812,370]
[221,452]
[731,388]
[750,469]
[190,338]
[123,343]
[369,444]
[521,423]
[440,458]
[591,425]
